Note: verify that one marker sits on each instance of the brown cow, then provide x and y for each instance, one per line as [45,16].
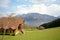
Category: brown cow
[11,25]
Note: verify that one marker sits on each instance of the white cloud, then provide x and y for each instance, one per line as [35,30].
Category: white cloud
[34,8]
[2,14]
[7,14]
[4,3]
[21,10]
[38,8]
[53,9]
[41,1]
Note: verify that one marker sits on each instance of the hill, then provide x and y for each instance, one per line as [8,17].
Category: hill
[54,23]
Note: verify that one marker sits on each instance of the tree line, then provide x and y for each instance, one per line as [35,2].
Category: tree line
[54,23]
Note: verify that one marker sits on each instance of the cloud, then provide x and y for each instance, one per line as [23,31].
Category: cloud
[2,14]
[53,9]
[41,1]
[31,9]
[38,8]
[6,14]
[22,9]
[4,3]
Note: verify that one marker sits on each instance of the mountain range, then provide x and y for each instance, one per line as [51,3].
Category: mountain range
[36,19]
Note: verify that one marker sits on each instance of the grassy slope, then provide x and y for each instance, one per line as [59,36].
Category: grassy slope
[48,34]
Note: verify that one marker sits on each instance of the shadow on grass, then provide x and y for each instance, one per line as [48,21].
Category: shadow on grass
[8,34]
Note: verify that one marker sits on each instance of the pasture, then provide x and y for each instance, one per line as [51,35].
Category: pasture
[47,34]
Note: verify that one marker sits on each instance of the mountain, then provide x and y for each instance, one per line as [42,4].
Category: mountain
[36,19]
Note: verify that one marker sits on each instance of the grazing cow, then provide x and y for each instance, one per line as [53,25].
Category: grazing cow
[11,25]
[41,27]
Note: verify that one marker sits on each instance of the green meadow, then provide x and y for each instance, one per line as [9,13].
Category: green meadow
[46,34]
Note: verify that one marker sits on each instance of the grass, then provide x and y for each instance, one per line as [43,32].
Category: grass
[47,34]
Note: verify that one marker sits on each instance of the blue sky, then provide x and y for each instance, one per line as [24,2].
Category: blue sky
[50,7]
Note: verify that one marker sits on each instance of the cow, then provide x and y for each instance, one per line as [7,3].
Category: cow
[11,25]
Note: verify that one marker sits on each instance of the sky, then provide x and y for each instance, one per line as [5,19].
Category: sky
[50,7]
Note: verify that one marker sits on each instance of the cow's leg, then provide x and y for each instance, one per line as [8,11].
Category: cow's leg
[22,31]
